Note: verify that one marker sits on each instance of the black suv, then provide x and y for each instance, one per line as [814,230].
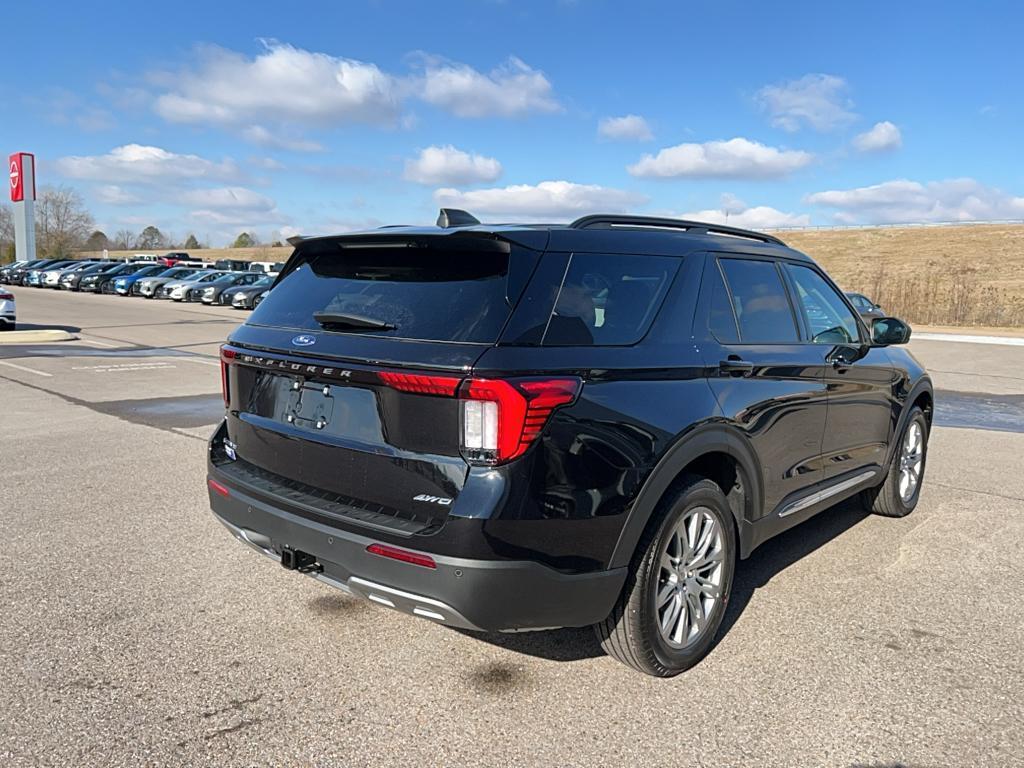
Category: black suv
[513,427]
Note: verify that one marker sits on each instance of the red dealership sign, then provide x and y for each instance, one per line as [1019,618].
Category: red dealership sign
[21,172]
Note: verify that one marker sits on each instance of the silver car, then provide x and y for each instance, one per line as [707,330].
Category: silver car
[149,287]
[8,314]
[180,290]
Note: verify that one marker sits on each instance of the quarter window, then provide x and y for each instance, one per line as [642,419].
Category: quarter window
[608,300]
[721,320]
[828,317]
[760,302]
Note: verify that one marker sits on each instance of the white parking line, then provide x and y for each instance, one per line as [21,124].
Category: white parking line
[115,367]
[98,343]
[27,370]
[969,339]
[197,360]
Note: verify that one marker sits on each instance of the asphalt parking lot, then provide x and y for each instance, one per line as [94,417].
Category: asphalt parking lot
[136,631]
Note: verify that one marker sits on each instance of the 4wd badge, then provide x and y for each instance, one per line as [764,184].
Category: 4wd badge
[442,500]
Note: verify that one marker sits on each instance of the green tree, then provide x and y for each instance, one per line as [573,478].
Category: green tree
[151,239]
[97,241]
[244,240]
[191,244]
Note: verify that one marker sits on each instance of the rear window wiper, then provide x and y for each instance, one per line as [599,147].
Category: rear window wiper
[353,322]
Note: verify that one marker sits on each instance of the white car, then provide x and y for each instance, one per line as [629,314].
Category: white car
[8,316]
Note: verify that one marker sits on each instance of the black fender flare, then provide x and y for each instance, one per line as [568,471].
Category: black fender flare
[705,439]
[922,385]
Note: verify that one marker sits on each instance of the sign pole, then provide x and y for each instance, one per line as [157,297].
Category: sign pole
[22,168]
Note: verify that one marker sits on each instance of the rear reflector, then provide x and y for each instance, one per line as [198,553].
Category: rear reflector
[226,356]
[218,488]
[422,385]
[404,555]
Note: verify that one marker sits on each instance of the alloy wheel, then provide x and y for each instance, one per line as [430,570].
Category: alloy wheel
[911,461]
[689,584]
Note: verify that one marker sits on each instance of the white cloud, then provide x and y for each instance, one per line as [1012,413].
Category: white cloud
[626,128]
[882,137]
[237,199]
[555,200]
[737,158]
[257,134]
[136,163]
[285,86]
[288,83]
[111,194]
[905,201]
[510,90]
[448,165]
[737,213]
[816,100]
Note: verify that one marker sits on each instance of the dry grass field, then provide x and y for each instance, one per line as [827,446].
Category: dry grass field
[948,275]
[970,275]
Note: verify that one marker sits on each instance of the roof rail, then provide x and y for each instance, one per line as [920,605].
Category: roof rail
[608,221]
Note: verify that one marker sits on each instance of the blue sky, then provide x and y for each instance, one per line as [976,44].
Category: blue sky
[280,118]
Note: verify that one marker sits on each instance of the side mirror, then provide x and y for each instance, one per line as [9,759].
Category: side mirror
[889,330]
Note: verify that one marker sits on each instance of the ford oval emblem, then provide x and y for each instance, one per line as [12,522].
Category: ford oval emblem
[304,340]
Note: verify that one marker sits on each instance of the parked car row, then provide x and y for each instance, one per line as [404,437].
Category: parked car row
[227,282]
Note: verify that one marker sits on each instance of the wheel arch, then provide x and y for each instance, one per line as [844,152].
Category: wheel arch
[717,451]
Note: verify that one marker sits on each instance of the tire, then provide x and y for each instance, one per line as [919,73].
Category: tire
[631,633]
[889,498]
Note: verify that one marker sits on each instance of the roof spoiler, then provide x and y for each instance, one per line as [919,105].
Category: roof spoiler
[294,240]
[455,217]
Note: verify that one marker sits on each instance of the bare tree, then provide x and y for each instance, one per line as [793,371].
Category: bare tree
[62,221]
[6,234]
[124,240]
[6,224]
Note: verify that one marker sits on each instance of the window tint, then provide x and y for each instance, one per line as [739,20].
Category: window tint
[760,301]
[721,320]
[608,300]
[828,317]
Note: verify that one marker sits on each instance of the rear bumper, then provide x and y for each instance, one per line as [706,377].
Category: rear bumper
[486,595]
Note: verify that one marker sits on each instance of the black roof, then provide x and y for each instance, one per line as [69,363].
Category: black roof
[603,233]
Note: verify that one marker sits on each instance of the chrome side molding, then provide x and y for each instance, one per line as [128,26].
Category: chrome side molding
[826,493]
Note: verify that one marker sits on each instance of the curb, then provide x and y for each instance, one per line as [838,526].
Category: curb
[34,337]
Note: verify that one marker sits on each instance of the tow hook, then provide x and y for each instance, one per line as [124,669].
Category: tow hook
[296,560]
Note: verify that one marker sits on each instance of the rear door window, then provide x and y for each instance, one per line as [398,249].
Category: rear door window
[760,301]
[608,299]
[458,293]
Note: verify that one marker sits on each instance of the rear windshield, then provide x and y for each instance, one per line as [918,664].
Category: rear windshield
[437,293]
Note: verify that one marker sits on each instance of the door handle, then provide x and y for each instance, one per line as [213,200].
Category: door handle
[735,367]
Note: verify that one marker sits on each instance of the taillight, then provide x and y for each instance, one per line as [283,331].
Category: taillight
[423,385]
[403,555]
[501,418]
[6,297]
[226,356]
